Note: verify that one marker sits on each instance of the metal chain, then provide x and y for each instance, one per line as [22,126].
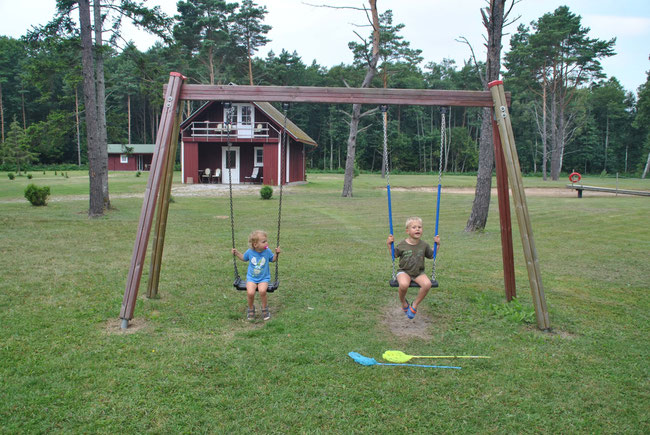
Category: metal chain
[283,139]
[387,168]
[228,121]
[443,128]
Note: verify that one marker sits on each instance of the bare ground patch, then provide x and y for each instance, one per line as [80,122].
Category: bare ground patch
[185,190]
[553,333]
[403,327]
[114,326]
[530,191]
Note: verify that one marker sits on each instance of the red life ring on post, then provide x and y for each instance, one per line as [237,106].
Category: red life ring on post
[574,177]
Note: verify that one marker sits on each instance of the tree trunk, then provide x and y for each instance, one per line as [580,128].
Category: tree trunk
[100,85]
[493,21]
[2,116]
[250,67]
[331,148]
[76,113]
[356,108]
[22,99]
[96,207]
[352,148]
[128,105]
[555,138]
[544,135]
[144,122]
[606,142]
[647,165]
[211,65]
[481,205]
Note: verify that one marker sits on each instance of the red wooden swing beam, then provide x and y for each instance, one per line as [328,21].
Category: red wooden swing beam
[175,91]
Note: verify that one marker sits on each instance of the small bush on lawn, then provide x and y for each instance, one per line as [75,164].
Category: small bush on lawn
[29,176]
[266,192]
[37,195]
[11,175]
[137,174]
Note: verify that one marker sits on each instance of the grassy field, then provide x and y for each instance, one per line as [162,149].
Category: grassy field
[191,363]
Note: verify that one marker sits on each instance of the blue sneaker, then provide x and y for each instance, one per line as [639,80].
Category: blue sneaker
[411,312]
[406,308]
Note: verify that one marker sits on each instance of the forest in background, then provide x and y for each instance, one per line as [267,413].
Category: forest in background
[562,101]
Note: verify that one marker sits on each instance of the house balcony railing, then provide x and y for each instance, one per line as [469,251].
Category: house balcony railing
[263,131]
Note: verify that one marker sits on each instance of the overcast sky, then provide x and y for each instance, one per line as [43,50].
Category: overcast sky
[433,26]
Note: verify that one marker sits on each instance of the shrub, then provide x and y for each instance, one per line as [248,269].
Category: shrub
[266,192]
[137,174]
[37,195]
[29,176]
[11,175]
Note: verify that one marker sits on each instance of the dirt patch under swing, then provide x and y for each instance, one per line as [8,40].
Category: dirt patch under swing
[403,327]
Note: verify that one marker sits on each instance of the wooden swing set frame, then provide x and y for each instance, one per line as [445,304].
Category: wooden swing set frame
[159,183]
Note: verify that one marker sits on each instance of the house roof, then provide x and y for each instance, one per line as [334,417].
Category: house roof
[267,108]
[295,131]
[137,148]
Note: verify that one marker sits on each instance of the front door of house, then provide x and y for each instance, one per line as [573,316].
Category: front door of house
[245,120]
[230,158]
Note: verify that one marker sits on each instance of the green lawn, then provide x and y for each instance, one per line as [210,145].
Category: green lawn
[191,363]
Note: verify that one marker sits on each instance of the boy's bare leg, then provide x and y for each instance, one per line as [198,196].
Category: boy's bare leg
[261,288]
[250,293]
[425,286]
[404,281]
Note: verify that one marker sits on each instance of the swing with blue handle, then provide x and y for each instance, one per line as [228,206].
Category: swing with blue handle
[240,283]
[393,282]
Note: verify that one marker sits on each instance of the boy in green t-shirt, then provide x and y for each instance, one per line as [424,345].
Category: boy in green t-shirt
[411,252]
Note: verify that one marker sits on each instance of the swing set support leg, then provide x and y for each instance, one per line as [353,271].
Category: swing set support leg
[161,151]
[521,206]
[504,216]
[163,209]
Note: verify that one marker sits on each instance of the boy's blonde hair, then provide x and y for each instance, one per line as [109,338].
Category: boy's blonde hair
[413,219]
[255,237]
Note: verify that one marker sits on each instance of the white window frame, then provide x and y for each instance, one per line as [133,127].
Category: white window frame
[124,158]
[246,118]
[258,163]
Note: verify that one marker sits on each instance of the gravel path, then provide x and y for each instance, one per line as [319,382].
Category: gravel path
[218,190]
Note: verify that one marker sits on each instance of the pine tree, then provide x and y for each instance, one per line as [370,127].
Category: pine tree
[15,149]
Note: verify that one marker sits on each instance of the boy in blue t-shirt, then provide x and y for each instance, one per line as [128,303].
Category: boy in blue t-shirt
[259,273]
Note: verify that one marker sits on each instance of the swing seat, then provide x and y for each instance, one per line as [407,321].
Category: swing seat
[240,284]
[394,283]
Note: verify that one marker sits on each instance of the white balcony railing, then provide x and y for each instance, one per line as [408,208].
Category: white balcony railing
[212,129]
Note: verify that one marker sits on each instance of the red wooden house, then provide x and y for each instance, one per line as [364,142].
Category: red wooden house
[132,157]
[254,134]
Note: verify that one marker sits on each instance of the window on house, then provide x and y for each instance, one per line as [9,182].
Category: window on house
[246,115]
[231,159]
[259,156]
[124,158]
[233,114]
